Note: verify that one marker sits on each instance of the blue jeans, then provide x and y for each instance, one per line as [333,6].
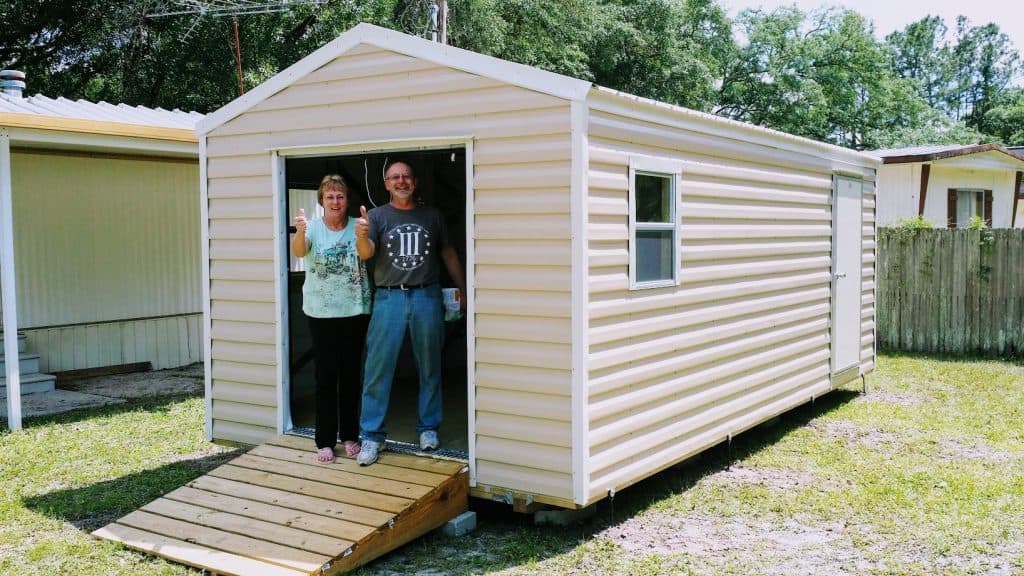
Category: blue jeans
[421,312]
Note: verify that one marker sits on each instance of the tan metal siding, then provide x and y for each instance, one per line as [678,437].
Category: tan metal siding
[119,237]
[867,311]
[745,336]
[521,232]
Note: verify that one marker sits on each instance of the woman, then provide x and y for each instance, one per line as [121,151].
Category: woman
[336,299]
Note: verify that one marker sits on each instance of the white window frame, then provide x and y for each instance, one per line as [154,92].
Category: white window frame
[664,167]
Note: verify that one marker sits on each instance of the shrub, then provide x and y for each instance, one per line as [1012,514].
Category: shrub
[976,223]
[916,223]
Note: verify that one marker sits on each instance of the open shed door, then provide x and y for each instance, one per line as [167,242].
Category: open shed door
[847,220]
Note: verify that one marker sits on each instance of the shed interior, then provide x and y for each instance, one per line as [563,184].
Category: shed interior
[441,182]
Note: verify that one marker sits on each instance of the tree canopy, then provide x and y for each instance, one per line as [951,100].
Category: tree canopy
[821,74]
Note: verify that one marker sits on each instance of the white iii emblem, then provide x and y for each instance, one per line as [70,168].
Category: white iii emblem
[408,245]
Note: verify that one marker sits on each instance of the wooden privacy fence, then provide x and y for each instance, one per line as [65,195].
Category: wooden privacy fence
[951,291]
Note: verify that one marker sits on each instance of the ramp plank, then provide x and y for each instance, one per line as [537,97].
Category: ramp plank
[241,545]
[191,554]
[378,470]
[275,512]
[302,520]
[300,486]
[332,475]
[261,529]
[422,463]
[313,504]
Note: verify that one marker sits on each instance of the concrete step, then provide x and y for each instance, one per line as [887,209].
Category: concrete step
[30,384]
[28,362]
[22,342]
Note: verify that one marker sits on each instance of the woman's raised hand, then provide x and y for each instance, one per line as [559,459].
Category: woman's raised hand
[300,221]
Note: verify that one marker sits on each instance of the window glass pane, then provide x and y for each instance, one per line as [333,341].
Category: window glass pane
[653,198]
[968,204]
[654,255]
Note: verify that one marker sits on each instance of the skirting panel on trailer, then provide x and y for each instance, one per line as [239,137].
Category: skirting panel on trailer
[276,511]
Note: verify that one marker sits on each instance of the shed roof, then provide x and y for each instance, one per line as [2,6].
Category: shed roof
[528,77]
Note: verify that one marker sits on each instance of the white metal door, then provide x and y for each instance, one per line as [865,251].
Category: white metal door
[847,207]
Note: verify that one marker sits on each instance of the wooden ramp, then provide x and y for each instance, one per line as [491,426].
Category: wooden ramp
[276,511]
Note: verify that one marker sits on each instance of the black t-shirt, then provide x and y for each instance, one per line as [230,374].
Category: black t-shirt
[407,244]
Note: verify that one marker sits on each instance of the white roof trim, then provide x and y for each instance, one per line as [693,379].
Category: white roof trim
[58,140]
[988,160]
[516,74]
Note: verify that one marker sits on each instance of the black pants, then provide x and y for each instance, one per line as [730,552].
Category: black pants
[338,354]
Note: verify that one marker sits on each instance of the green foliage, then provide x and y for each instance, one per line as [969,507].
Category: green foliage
[663,49]
[918,222]
[821,74]
[966,79]
[976,223]
[1005,120]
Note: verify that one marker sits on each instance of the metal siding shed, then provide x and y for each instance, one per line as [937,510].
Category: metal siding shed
[590,365]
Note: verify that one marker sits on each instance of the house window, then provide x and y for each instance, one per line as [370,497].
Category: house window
[966,203]
[654,227]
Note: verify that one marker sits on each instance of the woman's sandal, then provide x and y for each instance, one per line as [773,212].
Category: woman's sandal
[325,455]
[351,448]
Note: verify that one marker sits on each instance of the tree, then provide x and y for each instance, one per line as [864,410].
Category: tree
[822,75]
[986,63]
[668,50]
[1005,120]
[920,52]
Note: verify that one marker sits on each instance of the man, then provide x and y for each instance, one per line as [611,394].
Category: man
[410,243]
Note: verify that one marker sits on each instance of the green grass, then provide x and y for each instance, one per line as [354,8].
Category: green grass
[923,475]
[63,476]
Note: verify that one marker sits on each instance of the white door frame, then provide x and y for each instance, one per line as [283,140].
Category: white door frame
[279,155]
[847,259]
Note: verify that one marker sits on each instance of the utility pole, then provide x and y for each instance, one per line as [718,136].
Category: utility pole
[442,27]
[438,11]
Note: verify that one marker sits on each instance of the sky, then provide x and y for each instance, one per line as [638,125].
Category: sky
[891,15]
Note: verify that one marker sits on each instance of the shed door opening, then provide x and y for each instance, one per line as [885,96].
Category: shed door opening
[441,182]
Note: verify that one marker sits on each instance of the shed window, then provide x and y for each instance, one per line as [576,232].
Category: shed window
[654,236]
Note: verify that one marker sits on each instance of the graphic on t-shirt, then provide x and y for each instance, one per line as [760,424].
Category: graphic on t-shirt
[408,246]
[342,262]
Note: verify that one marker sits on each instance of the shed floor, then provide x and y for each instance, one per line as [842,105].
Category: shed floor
[275,511]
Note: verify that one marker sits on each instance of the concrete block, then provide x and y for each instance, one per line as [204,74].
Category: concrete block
[563,517]
[460,525]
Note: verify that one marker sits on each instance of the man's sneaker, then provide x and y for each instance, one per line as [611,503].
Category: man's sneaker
[368,452]
[429,441]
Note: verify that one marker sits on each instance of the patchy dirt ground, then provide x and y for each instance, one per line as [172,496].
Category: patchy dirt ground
[184,380]
[113,389]
[788,549]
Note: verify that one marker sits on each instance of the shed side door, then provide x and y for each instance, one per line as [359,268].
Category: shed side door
[847,206]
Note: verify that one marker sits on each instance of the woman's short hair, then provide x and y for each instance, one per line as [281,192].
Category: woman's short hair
[330,182]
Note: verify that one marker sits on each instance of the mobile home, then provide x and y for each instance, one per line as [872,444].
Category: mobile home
[100,241]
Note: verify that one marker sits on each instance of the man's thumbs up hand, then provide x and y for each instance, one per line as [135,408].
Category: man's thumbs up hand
[362,224]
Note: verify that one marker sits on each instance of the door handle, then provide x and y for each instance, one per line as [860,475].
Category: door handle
[839,275]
